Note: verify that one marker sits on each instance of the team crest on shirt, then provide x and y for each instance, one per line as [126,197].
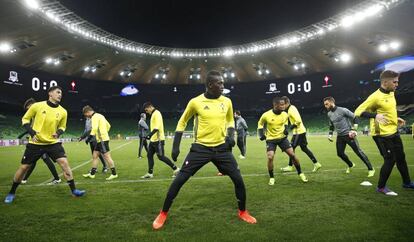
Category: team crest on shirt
[206,108]
[57,115]
[222,106]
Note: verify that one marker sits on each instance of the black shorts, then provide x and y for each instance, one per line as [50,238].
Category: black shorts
[102,147]
[200,155]
[282,143]
[298,140]
[34,152]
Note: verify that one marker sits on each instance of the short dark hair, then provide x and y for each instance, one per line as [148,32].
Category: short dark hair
[238,112]
[87,108]
[52,88]
[212,75]
[331,99]
[147,104]
[388,74]
[28,102]
[277,99]
[286,99]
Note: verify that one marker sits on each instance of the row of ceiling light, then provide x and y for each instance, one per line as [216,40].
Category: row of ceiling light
[301,36]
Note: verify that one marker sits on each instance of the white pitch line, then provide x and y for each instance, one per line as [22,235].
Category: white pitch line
[86,162]
[202,178]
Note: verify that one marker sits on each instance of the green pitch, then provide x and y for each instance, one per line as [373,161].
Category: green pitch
[332,206]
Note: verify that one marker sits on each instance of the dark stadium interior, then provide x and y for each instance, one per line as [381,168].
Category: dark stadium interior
[244,172]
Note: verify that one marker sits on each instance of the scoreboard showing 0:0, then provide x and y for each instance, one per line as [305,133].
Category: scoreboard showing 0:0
[305,87]
[37,84]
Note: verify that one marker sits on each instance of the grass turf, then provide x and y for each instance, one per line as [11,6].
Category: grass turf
[332,206]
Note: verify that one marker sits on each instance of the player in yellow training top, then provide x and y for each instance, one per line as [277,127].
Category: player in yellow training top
[157,141]
[99,132]
[299,135]
[273,127]
[213,141]
[45,122]
[382,107]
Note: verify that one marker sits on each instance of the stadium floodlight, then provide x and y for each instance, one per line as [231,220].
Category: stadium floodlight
[56,62]
[86,68]
[395,45]
[259,72]
[164,76]
[232,75]
[347,21]
[303,65]
[296,67]
[48,60]
[225,75]
[373,10]
[267,71]
[32,4]
[5,47]
[198,76]
[94,69]
[345,57]
[383,47]
[228,52]
[121,73]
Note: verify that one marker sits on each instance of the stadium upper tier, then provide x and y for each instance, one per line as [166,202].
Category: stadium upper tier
[49,37]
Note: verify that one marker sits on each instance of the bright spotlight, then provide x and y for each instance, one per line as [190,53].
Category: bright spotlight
[345,57]
[5,47]
[48,60]
[164,76]
[296,67]
[395,45]
[32,4]
[303,65]
[259,72]
[57,62]
[347,21]
[121,73]
[383,47]
[374,10]
[228,52]
[86,68]
[233,75]
[198,76]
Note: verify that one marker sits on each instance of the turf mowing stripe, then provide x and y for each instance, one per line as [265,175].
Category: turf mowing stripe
[203,178]
[86,162]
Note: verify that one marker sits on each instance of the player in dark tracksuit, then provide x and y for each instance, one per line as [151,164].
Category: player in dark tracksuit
[142,133]
[339,119]
[241,128]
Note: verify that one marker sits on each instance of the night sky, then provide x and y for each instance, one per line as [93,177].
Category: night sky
[203,24]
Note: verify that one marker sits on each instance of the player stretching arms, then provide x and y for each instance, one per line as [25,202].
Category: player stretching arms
[382,106]
[276,122]
[339,119]
[49,122]
[213,115]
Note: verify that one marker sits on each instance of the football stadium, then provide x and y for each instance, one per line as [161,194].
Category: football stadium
[215,121]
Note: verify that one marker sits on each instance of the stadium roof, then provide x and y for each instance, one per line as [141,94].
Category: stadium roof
[52,38]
